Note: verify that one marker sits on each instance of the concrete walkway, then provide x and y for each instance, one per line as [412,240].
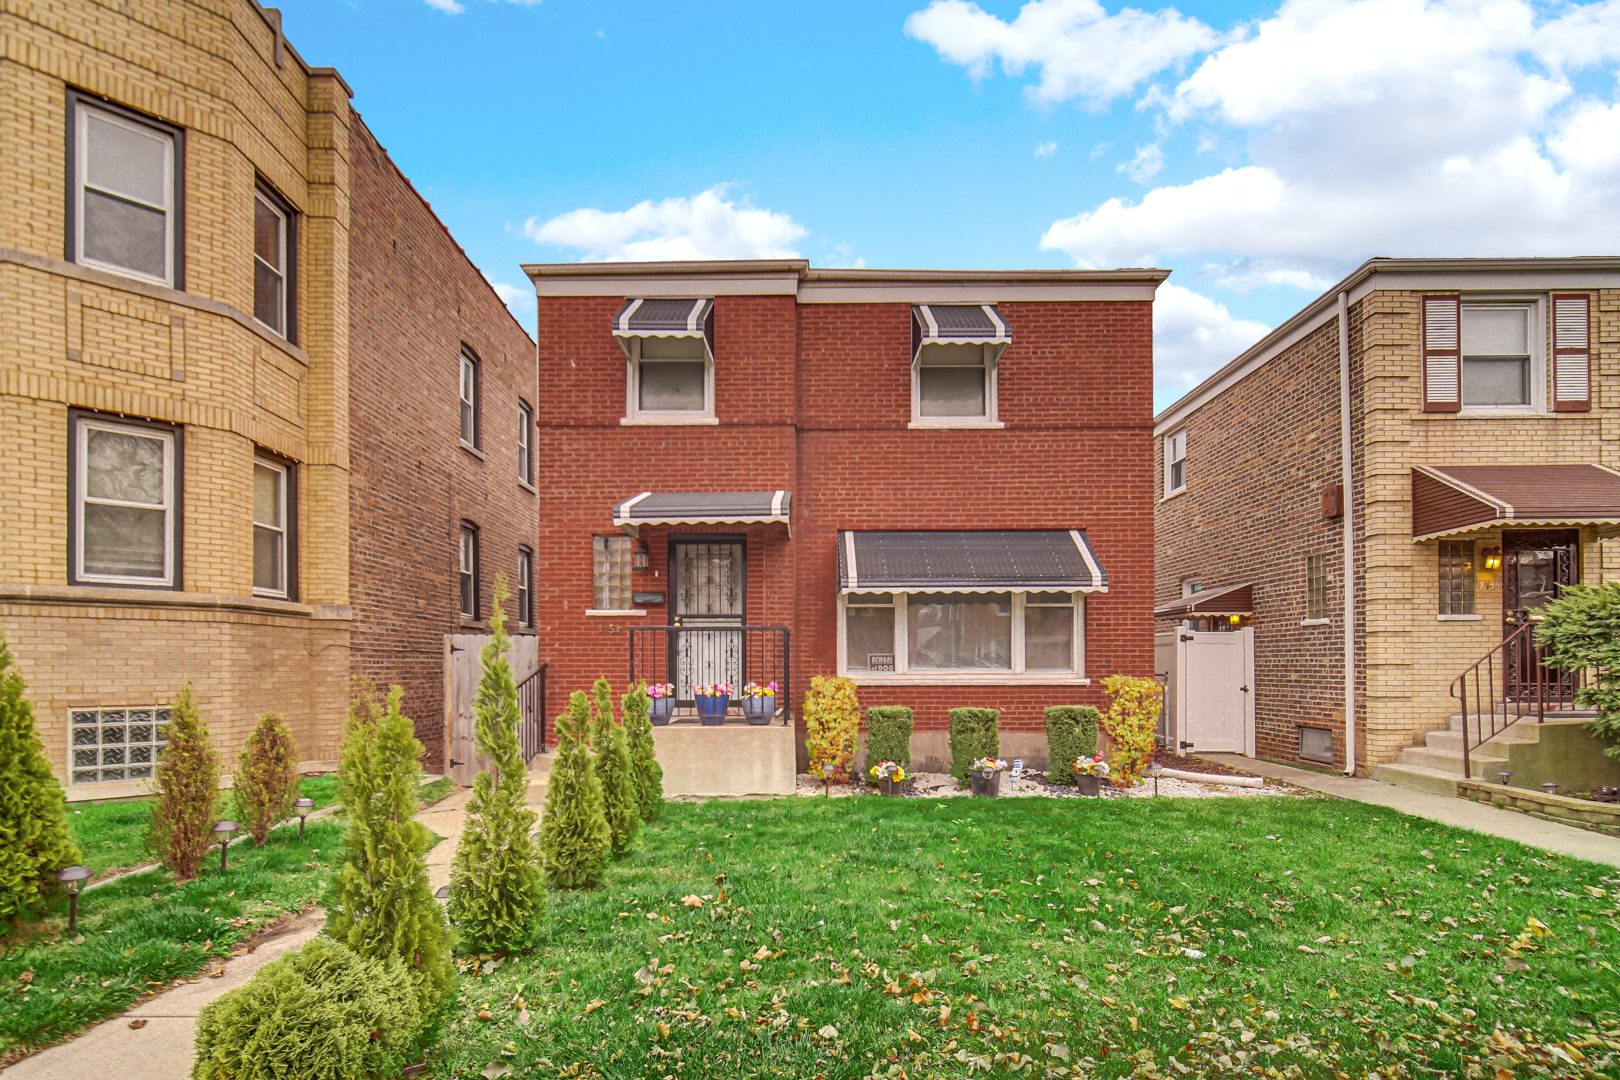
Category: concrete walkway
[1446,809]
[160,1047]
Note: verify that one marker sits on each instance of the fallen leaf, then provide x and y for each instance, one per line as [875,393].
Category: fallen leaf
[494,1069]
[137,1024]
[762,954]
[692,901]
[596,1003]
[485,1014]
[828,1032]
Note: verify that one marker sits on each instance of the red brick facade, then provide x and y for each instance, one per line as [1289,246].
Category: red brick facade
[415,302]
[815,398]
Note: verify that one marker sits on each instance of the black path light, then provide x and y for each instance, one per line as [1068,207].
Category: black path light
[223,830]
[1550,787]
[302,807]
[826,778]
[1504,775]
[442,893]
[71,876]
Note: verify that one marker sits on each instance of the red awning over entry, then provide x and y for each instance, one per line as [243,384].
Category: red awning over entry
[1231,600]
[1452,499]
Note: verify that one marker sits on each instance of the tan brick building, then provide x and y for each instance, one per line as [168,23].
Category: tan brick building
[177,456]
[1479,403]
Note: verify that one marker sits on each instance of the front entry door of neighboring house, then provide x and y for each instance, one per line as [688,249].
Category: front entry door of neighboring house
[1536,568]
[1214,688]
[708,577]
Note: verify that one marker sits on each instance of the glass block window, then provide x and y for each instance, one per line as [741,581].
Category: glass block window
[110,745]
[610,571]
[1456,577]
[1316,587]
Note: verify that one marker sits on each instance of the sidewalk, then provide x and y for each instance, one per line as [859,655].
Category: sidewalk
[1446,809]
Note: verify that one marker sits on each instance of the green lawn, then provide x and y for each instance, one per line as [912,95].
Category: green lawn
[1159,938]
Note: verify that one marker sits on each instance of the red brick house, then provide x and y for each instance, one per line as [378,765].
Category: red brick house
[939,483]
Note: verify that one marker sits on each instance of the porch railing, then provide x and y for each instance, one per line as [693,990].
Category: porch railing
[700,655]
[532,706]
[1510,683]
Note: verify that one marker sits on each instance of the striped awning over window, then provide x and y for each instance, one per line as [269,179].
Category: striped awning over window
[664,318]
[960,324]
[704,508]
[1025,560]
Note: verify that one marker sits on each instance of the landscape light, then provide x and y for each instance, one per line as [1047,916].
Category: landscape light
[1550,787]
[1504,775]
[442,893]
[826,778]
[302,807]
[224,830]
[71,876]
[1154,770]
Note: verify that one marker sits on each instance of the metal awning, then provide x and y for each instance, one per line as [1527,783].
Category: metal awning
[664,318]
[959,324]
[703,508]
[1230,600]
[1030,560]
[1450,500]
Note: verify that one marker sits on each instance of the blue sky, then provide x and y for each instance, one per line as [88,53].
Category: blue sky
[1258,150]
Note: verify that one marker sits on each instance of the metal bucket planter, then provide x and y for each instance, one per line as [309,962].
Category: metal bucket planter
[1088,785]
[661,709]
[712,710]
[886,786]
[759,710]
[985,782]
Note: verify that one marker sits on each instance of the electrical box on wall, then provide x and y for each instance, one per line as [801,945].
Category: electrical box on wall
[1332,502]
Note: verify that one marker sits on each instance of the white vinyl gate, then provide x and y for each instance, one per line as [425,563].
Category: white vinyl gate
[462,670]
[1210,693]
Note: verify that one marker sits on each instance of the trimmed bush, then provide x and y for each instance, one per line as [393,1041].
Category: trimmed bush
[975,733]
[34,841]
[638,735]
[1071,733]
[322,1013]
[574,836]
[187,784]
[1581,631]
[266,780]
[832,722]
[495,890]
[619,802]
[888,735]
[1132,722]
[383,908]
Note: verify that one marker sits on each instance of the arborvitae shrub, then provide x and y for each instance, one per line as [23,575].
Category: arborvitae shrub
[975,733]
[638,736]
[383,906]
[619,802]
[832,722]
[1581,632]
[266,780]
[34,841]
[1071,733]
[495,889]
[187,786]
[574,836]
[322,1013]
[888,735]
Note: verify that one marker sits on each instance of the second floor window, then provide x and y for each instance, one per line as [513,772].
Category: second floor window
[468,571]
[272,529]
[1496,356]
[125,497]
[272,263]
[525,443]
[469,399]
[670,379]
[955,382]
[1175,462]
[525,587]
[1316,587]
[125,193]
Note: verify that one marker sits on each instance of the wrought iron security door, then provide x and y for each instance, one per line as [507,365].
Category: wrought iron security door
[709,582]
[1536,568]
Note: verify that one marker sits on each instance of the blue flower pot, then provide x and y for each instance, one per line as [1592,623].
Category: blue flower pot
[712,710]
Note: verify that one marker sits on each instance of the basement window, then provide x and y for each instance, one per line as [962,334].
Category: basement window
[111,745]
[1316,744]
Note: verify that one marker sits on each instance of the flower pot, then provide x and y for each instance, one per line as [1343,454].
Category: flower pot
[1088,785]
[712,709]
[759,710]
[886,786]
[985,782]
[661,708]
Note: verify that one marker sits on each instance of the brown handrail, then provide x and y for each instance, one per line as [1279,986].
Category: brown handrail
[1506,685]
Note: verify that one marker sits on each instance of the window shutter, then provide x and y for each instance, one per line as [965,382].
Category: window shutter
[1442,353]
[1572,353]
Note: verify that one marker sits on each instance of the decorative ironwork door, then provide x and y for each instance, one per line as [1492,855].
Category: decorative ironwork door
[1536,568]
[708,579]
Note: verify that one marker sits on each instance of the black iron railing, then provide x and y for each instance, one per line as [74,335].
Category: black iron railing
[1510,683]
[532,705]
[700,655]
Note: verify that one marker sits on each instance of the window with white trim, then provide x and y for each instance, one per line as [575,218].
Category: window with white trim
[124,494]
[525,587]
[1498,356]
[962,633]
[125,193]
[272,513]
[1175,462]
[469,398]
[671,380]
[272,263]
[111,745]
[525,443]
[954,383]
[610,573]
[468,570]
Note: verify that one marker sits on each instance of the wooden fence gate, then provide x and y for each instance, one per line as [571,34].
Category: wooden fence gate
[462,670]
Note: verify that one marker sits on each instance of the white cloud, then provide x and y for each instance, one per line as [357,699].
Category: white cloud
[1081,50]
[1045,149]
[1145,165]
[511,295]
[705,226]
[449,7]
[842,256]
[1193,336]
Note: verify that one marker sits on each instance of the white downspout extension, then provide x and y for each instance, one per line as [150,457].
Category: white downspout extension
[1349,540]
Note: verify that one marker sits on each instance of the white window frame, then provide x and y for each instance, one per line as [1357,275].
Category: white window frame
[525,443]
[992,405]
[525,590]
[467,400]
[1175,453]
[260,198]
[286,533]
[81,436]
[634,414]
[467,542]
[1012,676]
[81,161]
[1537,318]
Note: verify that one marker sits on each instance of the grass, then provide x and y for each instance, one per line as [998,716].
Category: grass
[1280,937]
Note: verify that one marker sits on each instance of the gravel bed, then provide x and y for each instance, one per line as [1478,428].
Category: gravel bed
[943,785]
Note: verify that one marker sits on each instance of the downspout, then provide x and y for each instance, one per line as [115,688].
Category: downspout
[1349,539]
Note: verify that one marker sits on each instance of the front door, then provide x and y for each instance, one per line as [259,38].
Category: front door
[1536,568]
[708,578]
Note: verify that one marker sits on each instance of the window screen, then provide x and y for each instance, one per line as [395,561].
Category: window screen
[124,194]
[673,375]
[1496,355]
[952,382]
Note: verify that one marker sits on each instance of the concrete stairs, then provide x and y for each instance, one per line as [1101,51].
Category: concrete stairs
[539,773]
[1437,764]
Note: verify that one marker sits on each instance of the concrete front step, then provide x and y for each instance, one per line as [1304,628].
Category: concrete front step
[1475,720]
[1419,777]
[1451,761]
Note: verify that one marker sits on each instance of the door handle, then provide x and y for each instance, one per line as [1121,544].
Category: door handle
[1245,689]
[454,763]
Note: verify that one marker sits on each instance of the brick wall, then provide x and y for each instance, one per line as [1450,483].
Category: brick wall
[415,301]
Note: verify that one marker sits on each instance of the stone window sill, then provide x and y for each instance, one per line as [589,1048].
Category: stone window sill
[471,449]
[964,679]
[613,613]
[1459,618]
[1316,622]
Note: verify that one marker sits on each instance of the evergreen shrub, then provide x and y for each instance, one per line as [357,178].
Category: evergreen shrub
[574,836]
[495,889]
[187,784]
[974,733]
[619,802]
[1071,733]
[832,723]
[34,841]
[322,1013]
[266,780]
[1581,630]
[888,735]
[638,735]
